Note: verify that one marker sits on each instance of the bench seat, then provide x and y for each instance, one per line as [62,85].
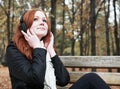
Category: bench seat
[102,65]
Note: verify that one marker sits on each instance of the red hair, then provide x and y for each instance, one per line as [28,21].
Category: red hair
[19,39]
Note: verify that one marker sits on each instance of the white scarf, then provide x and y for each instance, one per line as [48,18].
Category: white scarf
[50,79]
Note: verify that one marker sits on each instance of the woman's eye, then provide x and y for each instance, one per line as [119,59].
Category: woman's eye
[44,20]
[35,19]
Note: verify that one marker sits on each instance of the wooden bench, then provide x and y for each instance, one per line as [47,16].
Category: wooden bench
[108,67]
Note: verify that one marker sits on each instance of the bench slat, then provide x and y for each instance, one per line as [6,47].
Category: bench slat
[91,61]
[109,78]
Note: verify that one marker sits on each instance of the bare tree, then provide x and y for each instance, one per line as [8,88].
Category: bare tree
[53,16]
[7,13]
[72,14]
[93,32]
[116,30]
[81,28]
[42,4]
[63,31]
[107,10]
[93,18]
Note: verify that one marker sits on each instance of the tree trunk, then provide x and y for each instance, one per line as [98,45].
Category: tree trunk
[12,25]
[72,22]
[81,29]
[63,31]
[93,32]
[106,26]
[42,4]
[116,31]
[53,17]
[72,46]
[8,21]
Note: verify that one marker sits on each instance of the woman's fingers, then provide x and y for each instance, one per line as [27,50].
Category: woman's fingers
[25,34]
[32,32]
[29,33]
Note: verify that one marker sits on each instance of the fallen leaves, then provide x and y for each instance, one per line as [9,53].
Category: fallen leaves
[4,78]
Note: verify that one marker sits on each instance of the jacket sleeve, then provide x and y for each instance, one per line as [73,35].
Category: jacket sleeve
[25,70]
[62,75]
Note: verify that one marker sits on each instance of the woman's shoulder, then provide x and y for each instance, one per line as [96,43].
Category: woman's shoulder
[11,46]
[12,51]
[11,43]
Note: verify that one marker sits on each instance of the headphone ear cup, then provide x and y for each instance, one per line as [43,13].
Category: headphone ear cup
[23,26]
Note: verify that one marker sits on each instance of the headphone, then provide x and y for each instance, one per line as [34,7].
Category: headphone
[23,26]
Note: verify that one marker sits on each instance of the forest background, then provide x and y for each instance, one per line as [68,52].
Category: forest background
[80,27]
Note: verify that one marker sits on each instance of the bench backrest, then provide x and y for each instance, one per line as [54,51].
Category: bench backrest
[94,63]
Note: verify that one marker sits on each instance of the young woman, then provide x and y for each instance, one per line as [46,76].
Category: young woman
[33,62]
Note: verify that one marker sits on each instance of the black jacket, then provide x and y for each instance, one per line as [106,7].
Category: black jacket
[25,74]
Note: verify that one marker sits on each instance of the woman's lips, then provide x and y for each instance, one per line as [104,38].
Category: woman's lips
[41,28]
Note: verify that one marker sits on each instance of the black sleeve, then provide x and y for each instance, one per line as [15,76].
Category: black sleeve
[62,75]
[25,70]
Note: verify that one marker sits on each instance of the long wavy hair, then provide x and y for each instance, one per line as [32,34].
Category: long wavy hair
[19,39]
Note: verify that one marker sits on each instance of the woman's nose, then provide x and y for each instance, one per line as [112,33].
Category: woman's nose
[41,22]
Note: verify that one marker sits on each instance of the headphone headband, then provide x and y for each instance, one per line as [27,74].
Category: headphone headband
[23,25]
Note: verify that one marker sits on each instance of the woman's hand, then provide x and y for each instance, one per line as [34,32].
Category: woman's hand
[32,39]
[50,47]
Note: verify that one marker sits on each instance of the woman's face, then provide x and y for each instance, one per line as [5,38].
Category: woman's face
[39,25]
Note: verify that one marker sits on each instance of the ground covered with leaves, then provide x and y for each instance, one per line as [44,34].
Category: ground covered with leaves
[4,78]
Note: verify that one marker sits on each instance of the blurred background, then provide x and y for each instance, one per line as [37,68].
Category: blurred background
[80,27]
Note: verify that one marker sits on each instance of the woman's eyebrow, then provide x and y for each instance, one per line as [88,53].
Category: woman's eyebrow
[36,16]
[39,17]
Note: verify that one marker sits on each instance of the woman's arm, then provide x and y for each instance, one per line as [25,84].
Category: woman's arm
[21,68]
[62,75]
